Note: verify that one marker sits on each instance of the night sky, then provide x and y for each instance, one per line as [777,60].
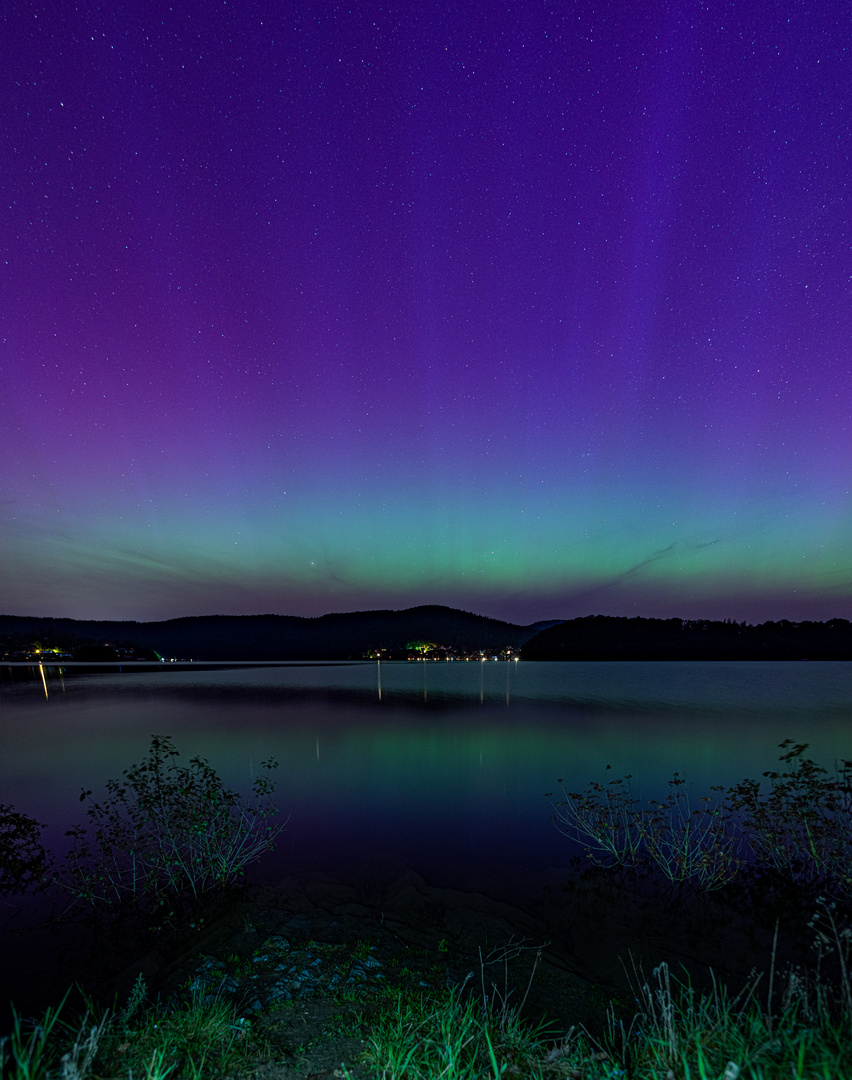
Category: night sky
[538,310]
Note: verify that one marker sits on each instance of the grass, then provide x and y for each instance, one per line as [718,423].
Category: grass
[800,828]
[186,1038]
[449,1036]
[793,1028]
[795,1025]
[780,1025]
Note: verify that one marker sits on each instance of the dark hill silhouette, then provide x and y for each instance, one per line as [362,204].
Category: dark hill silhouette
[339,636]
[351,635]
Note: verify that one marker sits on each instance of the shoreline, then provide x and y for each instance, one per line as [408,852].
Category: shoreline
[310,968]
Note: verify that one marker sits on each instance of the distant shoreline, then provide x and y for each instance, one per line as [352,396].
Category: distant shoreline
[422,633]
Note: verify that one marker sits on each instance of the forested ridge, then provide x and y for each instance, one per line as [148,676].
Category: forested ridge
[354,635]
[604,637]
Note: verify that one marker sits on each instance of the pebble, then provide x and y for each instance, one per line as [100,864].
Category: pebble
[280,973]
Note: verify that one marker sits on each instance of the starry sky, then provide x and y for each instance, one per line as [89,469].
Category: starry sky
[535,309]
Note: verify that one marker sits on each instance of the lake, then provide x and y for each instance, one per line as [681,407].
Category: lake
[441,766]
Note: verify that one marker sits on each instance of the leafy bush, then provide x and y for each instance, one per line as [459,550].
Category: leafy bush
[24,862]
[168,832]
[802,828]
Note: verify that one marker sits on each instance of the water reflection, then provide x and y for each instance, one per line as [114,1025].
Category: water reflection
[445,764]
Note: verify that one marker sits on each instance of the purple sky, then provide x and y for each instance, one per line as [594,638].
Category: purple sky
[538,310]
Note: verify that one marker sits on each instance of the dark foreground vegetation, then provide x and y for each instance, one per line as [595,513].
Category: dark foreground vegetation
[168,837]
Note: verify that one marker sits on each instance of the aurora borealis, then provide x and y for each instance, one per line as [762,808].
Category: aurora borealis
[538,311]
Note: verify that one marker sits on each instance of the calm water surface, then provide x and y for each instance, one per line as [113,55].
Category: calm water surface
[445,766]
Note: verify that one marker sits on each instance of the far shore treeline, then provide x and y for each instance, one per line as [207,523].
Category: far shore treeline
[390,634]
